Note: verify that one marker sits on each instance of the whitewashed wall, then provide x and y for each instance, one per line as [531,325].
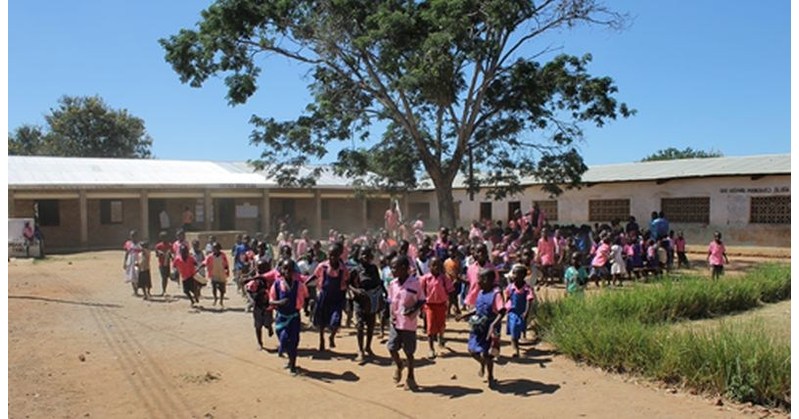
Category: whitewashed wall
[729,205]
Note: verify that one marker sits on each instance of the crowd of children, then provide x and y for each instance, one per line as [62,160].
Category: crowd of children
[484,275]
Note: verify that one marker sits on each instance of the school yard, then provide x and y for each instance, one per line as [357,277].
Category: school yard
[81,346]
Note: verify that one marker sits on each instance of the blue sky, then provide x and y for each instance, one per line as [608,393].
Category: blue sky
[709,74]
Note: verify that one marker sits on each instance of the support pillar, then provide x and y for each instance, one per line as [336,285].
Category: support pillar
[365,213]
[84,219]
[318,217]
[144,209]
[11,209]
[266,215]
[207,210]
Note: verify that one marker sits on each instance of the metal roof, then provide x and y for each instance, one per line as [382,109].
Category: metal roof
[59,172]
[774,164]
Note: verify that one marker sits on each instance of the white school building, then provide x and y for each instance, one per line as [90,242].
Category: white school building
[89,203]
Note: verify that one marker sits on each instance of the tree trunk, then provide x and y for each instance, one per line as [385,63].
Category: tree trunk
[446,203]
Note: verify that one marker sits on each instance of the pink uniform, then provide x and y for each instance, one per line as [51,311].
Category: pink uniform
[325,267]
[602,255]
[186,268]
[679,244]
[402,297]
[302,292]
[436,288]
[513,288]
[472,274]
[546,251]
[716,253]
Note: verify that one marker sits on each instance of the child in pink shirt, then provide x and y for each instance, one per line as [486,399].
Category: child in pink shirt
[436,286]
[406,297]
[546,256]
[599,264]
[679,245]
[717,256]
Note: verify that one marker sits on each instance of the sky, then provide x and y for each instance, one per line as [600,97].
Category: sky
[706,74]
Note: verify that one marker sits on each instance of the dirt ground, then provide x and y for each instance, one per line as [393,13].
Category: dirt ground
[81,346]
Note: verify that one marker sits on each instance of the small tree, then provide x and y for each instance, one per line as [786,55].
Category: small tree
[83,127]
[445,76]
[672,153]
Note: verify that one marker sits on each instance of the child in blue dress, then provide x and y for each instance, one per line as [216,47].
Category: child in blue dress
[519,297]
[485,321]
[288,296]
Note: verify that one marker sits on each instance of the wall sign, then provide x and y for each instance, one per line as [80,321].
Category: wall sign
[775,190]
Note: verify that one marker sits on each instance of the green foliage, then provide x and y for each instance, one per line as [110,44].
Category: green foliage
[672,153]
[631,331]
[83,127]
[444,76]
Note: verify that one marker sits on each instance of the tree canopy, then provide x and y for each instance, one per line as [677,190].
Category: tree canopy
[439,78]
[672,153]
[83,127]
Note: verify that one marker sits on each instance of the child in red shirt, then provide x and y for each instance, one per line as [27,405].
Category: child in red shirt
[436,286]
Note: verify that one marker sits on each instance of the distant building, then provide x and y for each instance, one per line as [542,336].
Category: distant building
[83,203]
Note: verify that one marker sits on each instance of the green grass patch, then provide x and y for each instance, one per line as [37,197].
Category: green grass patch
[632,331]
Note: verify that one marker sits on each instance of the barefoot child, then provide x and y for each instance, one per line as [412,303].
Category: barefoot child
[145,282]
[366,284]
[288,296]
[332,280]
[132,251]
[717,256]
[435,285]
[575,276]
[406,297]
[186,267]
[164,254]
[519,297]
[257,289]
[218,270]
[485,322]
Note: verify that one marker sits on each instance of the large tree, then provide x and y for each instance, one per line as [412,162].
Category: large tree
[441,78]
[83,127]
[672,153]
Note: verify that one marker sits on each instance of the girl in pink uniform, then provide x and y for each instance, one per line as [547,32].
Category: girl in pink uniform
[717,256]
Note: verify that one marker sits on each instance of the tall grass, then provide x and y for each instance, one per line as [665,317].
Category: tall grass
[630,331]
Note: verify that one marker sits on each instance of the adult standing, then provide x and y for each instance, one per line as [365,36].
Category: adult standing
[163,220]
[188,219]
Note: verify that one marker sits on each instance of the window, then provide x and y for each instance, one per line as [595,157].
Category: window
[608,209]
[770,209]
[512,207]
[110,211]
[48,212]
[422,209]
[485,211]
[686,210]
[549,208]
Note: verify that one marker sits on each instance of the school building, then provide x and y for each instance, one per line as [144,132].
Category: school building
[747,199]
[92,203]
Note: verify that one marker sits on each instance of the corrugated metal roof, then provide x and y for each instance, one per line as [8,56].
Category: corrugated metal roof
[772,164]
[35,171]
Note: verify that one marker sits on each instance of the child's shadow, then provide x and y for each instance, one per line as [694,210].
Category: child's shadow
[324,355]
[525,387]
[452,392]
[329,377]
[530,356]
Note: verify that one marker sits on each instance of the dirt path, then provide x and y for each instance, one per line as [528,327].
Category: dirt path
[81,346]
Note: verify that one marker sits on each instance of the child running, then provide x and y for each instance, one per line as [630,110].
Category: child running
[717,256]
[332,280]
[436,286]
[288,296]
[218,270]
[519,297]
[258,294]
[164,254]
[366,284]
[406,297]
[485,321]
[186,266]
[145,282]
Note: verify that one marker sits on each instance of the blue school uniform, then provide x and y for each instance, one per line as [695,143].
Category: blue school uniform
[518,305]
[287,320]
[479,343]
[330,302]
